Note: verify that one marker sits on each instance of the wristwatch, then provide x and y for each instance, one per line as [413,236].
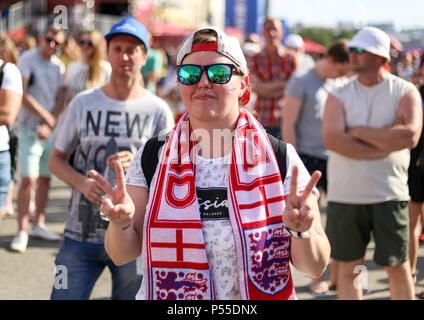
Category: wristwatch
[301,235]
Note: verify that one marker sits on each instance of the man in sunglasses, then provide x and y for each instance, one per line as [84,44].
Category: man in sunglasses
[369,125]
[42,74]
[104,125]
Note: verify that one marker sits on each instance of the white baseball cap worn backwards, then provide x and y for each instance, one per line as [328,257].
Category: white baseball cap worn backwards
[225,45]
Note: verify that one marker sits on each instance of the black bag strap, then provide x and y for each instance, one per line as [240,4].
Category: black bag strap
[2,73]
[280,150]
[150,155]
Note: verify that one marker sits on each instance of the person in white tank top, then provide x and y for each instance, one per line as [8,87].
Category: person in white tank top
[369,125]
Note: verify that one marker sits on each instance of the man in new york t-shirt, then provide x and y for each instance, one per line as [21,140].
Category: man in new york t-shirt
[102,126]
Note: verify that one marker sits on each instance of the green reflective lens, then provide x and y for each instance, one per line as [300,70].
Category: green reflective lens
[356,50]
[189,74]
[219,73]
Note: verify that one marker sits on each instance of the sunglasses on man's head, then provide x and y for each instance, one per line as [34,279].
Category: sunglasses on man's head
[50,40]
[356,50]
[219,73]
[85,42]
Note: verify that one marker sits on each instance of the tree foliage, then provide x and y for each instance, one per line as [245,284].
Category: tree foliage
[325,36]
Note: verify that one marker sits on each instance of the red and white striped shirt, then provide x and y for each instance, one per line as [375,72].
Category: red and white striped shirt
[267,68]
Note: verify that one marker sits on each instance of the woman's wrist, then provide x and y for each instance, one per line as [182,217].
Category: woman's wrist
[126,227]
[121,225]
[301,235]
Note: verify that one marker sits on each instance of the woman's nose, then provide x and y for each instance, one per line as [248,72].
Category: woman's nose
[204,81]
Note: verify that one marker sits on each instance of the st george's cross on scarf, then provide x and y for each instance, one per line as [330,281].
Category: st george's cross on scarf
[175,263]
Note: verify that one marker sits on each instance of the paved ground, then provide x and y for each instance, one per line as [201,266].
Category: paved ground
[29,276]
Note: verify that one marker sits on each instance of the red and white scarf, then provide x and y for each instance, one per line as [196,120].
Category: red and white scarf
[175,264]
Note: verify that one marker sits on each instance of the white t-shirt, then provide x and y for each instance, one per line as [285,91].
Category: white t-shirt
[47,78]
[211,186]
[11,81]
[95,126]
[77,72]
[361,181]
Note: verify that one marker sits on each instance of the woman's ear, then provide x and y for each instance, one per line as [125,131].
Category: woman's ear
[244,85]
[244,94]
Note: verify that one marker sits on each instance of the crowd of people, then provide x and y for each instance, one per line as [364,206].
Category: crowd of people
[210,163]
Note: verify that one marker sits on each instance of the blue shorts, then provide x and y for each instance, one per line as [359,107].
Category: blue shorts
[33,154]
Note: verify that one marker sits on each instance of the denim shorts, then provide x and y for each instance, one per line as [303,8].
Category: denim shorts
[33,154]
[5,176]
[79,265]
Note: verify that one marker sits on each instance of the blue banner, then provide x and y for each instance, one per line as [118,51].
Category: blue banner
[247,15]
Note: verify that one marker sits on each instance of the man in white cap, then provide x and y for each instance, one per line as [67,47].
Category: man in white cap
[369,125]
[295,44]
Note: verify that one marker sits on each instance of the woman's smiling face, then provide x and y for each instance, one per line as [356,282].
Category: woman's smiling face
[207,102]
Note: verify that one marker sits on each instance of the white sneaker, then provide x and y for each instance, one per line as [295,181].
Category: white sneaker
[41,232]
[20,242]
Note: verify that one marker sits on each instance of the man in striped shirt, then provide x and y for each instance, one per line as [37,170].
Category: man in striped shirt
[270,70]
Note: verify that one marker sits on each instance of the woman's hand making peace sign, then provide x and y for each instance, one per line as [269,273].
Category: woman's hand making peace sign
[298,214]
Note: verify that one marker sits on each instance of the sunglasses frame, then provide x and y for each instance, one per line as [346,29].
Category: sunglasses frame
[356,50]
[50,40]
[83,42]
[206,68]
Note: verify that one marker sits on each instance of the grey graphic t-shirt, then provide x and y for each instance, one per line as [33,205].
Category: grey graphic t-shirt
[95,126]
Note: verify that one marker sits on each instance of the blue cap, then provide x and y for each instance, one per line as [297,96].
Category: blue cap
[132,27]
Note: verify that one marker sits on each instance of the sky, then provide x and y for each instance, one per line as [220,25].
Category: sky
[403,13]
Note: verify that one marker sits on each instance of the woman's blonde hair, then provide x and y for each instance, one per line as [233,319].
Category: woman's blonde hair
[29,42]
[9,46]
[95,59]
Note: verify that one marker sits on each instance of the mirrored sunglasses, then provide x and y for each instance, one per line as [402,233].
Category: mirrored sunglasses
[356,50]
[220,73]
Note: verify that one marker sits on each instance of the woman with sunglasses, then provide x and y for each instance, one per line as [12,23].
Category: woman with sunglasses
[91,70]
[217,221]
